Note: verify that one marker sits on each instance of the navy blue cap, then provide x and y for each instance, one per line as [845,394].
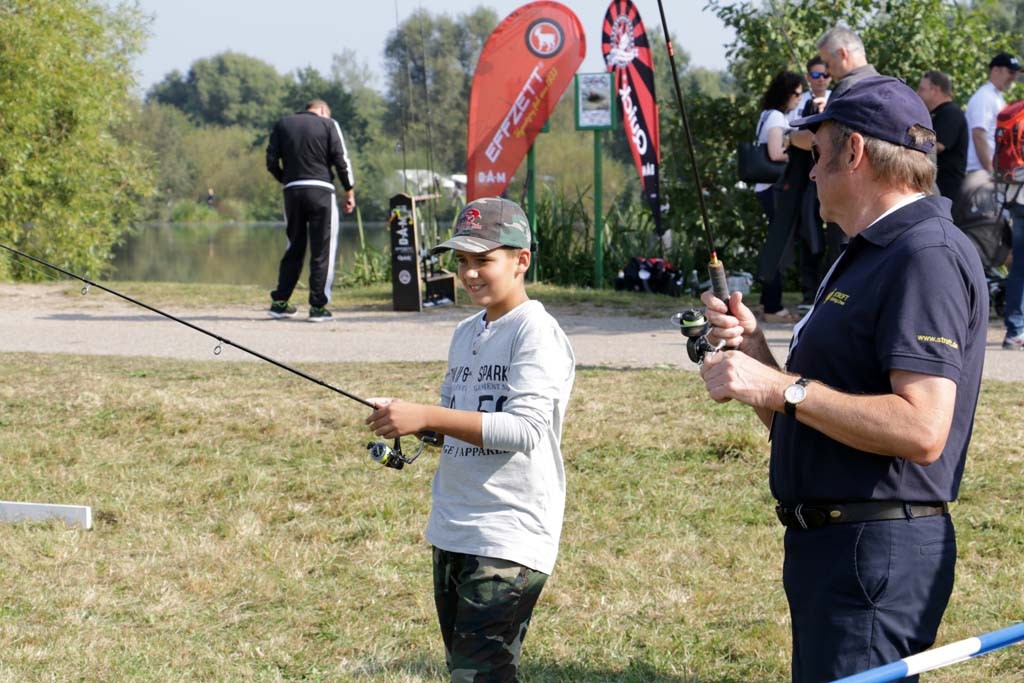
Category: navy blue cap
[879,107]
[1007,60]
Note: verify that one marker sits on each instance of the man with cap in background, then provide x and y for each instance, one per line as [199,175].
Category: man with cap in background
[982,109]
[871,418]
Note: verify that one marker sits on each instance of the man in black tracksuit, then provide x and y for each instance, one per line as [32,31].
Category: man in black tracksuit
[302,150]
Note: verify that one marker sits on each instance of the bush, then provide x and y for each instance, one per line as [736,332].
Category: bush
[69,187]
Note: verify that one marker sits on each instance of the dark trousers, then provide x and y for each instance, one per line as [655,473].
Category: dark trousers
[483,607]
[811,272]
[864,595]
[771,291]
[312,218]
[1014,315]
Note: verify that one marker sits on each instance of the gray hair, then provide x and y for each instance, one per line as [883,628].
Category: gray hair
[840,36]
[893,164]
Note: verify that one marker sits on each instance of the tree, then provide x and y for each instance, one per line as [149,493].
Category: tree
[160,130]
[429,63]
[1006,16]
[231,160]
[68,187]
[374,154]
[228,89]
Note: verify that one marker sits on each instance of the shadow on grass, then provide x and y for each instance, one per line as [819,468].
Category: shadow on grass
[541,671]
[634,672]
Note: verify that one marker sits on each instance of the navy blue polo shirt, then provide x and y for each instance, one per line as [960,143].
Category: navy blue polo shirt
[909,293]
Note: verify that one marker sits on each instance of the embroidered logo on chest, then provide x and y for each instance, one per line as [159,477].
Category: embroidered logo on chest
[836,297]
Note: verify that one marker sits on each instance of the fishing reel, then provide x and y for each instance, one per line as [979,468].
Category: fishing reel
[694,325]
[393,457]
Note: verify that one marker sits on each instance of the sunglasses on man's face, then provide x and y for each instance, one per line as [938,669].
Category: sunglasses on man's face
[819,74]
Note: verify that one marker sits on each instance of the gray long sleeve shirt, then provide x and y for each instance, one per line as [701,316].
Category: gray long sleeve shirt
[507,499]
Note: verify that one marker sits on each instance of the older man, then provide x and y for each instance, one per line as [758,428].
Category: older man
[871,418]
[843,53]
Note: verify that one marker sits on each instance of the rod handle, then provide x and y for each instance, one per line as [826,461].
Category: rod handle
[719,284]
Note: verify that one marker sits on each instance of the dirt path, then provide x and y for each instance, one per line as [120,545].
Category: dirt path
[43,319]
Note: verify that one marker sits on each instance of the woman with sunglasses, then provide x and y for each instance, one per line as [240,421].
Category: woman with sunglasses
[796,206]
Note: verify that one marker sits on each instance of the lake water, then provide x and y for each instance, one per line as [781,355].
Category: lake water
[223,253]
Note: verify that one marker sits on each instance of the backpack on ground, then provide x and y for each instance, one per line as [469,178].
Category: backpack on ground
[650,274]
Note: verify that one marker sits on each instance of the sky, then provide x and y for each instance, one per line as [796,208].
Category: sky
[299,33]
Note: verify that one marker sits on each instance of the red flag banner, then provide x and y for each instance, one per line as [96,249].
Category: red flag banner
[525,66]
[627,53]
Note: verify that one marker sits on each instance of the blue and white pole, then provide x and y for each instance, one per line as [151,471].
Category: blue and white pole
[940,656]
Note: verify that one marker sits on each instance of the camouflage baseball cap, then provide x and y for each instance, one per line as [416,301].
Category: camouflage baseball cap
[486,224]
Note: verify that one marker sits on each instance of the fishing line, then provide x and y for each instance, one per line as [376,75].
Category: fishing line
[693,323]
[716,269]
[220,340]
[435,188]
[405,123]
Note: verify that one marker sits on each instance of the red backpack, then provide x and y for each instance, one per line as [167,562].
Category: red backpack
[1009,155]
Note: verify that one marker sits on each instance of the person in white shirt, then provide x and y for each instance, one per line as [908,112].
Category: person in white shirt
[499,489]
[982,109]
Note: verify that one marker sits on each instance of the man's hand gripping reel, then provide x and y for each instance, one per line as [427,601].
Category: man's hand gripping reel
[692,322]
[392,456]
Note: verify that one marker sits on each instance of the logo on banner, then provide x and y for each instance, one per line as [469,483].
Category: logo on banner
[623,46]
[545,38]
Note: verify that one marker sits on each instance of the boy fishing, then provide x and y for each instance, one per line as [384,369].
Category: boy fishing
[499,489]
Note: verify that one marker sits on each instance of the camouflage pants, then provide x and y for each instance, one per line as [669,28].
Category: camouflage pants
[484,607]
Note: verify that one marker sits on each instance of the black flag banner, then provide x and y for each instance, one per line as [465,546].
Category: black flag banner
[627,53]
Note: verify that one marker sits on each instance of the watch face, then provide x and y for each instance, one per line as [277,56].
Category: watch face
[794,393]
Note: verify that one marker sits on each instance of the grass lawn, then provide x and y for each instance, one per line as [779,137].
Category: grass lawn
[242,533]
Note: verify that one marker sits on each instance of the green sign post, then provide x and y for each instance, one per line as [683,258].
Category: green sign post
[596,110]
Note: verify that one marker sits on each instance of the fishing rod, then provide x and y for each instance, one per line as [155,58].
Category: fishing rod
[389,456]
[693,324]
[434,184]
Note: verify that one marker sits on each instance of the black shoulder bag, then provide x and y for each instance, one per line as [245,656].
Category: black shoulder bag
[753,163]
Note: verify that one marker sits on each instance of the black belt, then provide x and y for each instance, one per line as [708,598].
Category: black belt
[805,516]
